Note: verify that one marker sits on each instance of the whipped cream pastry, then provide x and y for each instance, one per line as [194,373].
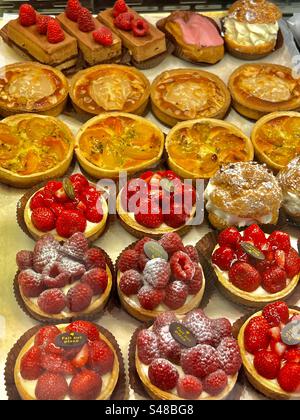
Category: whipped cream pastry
[249,34]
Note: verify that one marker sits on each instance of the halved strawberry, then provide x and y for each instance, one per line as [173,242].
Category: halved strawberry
[278,347]
[275,333]
[81,358]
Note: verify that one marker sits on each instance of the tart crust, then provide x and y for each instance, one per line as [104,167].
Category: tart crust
[263,385]
[105,393]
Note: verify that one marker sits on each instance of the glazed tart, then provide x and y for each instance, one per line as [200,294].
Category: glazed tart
[166,204]
[110,87]
[258,201]
[198,148]
[188,357]
[32,87]
[275,139]
[63,208]
[156,276]
[254,268]
[114,142]
[259,89]
[289,181]
[33,148]
[57,283]
[270,357]
[182,94]
[196,38]
[76,361]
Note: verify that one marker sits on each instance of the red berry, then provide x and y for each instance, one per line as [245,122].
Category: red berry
[103,36]
[76,246]
[24,260]
[94,215]
[275,333]
[131,282]
[57,209]
[70,222]
[52,301]
[244,277]
[101,357]
[267,364]
[229,355]
[42,24]
[166,318]
[147,346]
[241,255]
[176,295]
[30,283]
[149,219]
[176,217]
[55,276]
[80,180]
[189,387]
[30,367]
[97,279]
[124,21]
[140,27]
[79,297]
[292,263]
[81,358]
[90,196]
[55,33]
[55,363]
[171,242]
[150,298]
[51,387]
[46,335]
[94,257]
[256,335]
[37,201]
[200,361]
[168,347]
[85,20]
[280,240]
[223,257]
[255,235]
[157,273]
[215,382]
[139,247]
[52,186]
[274,280]
[292,355]
[192,252]
[276,313]
[196,283]
[143,259]
[119,7]
[289,377]
[73,9]
[43,219]
[85,386]
[201,326]
[27,15]
[280,258]
[163,374]
[182,267]
[128,260]
[84,327]
[278,347]
[222,328]
[229,237]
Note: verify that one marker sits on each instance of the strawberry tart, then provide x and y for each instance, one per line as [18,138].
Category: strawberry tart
[187,357]
[67,362]
[63,208]
[156,276]
[270,356]
[61,282]
[156,203]
[254,268]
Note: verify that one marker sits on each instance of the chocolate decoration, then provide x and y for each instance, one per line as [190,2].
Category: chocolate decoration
[251,250]
[290,334]
[182,335]
[70,340]
[155,250]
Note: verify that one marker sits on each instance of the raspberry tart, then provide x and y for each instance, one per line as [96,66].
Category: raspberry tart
[187,357]
[63,208]
[77,361]
[156,203]
[57,283]
[254,268]
[271,362]
[156,276]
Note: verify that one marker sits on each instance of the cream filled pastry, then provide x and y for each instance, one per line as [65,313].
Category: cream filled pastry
[289,180]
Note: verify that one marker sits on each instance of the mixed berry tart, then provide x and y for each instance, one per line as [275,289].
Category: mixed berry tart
[188,357]
[157,276]
[156,203]
[73,361]
[270,348]
[63,282]
[254,268]
[63,208]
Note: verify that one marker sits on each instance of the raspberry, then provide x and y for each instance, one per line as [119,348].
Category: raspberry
[42,27]
[176,295]
[289,377]
[166,318]
[222,328]
[215,382]
[139,247]
[84,327]
[43,219]
[149,220]
[147,346]
[200,361]
[267,363]
[124,21]
[52,301]
[51,387]
[128,260]
[163,374]
[131,282]
[150,298]
[244,277]
[94,257]
[79,297]
[27,15]
[256,335]
[46,251]
[55,33]
[280,240]
[30,367]
[182,267]
[30,283]
[292,263]
[46,335]
[168,347]
[24,260]
[276,313]
[189,387]
[176,217]
[192,252]
[56,364]
[157,273]
[119,7]
[201,326]
[74,268]
[223,257]
[76,246]
[229,356]
[103,36]
[97,279]
[255,235]
[55,276]
[230,237]
[143,259]
[85,386]
[140,27]
[274,280]
[73,9]
[70,222]
[171,242]
[85,20]
[101,357]
[196,283]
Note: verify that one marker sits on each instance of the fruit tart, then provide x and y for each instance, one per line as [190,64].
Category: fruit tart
[289,181]
[109,87]
[114,142]
[188,357]
[62,282]
[198,148]
[270,349]
[186,94]
[156,203]
[34,148]
[259,89]
[97,43]
[77,361]
[63,208]
[241,194]
[155,276]
[254,268]
[197,38]
[276,139]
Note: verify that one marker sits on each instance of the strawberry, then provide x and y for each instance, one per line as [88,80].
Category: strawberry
[30,283]
[37,201]
[241,255]
[128,260]
[200,361]
[171,242]
[147,346]
[124,21]
[150,220]
[157,273]
[52,186]
[79,182]
[51,387]
[30,367]
[223,257]
[196,283]
[120,6]
[278,347]
[176,295]
[103,36]
[255,235]
[57,209]
[182,267]
[189,387]
[73,9]
[215,382]
[97,279]
[94,257]
[267,364]
[81,359]
[150,298]
[280,240]
[280,258]
[230,237]
[229,355]
[55,33]
[84,327]
[85,385]
[46,335]
[93,214]
[101,357]
[256,335]
[244,277]
[165,318]
[163,374]
[289,377]
[85,20]
[90,196]
[176,217]
[70,222]
[43,219]
[42,24]
[24,260]
[27,15]
[52,301]
[274,280]
[61,196]
[292,263]
[276,313]
[275,334]
[79,297]
[131,282]
[292,355]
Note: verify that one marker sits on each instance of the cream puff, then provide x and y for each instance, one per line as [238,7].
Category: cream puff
[289,181]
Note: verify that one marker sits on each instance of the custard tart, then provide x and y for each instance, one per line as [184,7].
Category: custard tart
[110,87]
[32,87]
[33,148]
[198,148]
[114,142]
[276,139]
[259,89]
[183,94]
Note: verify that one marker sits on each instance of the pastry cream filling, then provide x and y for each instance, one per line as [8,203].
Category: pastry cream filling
[111,93]
[267,87]
[251,34]
[33,87]
[187,96]
[291,202]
